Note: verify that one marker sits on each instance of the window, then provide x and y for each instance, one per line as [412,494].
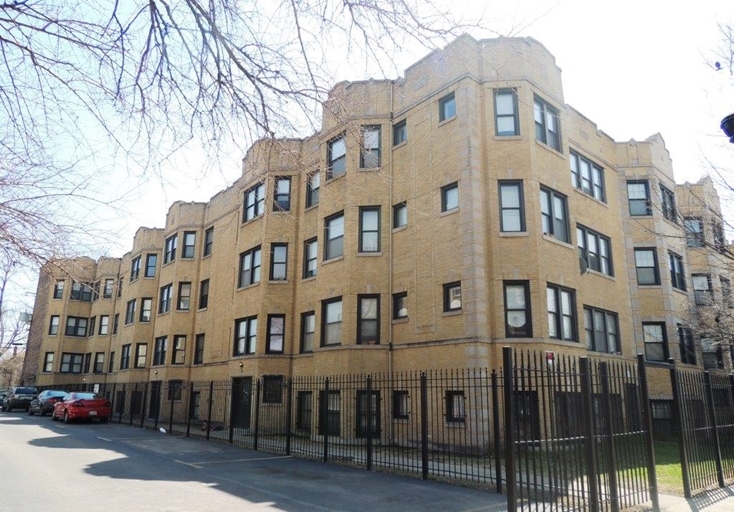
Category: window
[135,269]
[685,342]
[159,351]
[164,302]
[250,267]
[369,229]
[184,296]
[87,362]
[400,215]
[505,113]
[204,294]
[98,362]
[141,355]
[368,313]
[512,211]
[108,285]
[337,157]
[189,244]
[561,313]
[452,296]
[130,312]
[104,323]
[119,288]
[334,235]
[677,275]
[547,126]
[111,364]
[702,291]
[399,132]
[602,333]
[656,341]
[718,234]
[92,326]
[517,309]
[81,291]
[400,404]
[125,357]
[646,264]
[331,313]
[553,214]
[308,331]
[694,232]
[282,194]
[330,405]
[245,337]
[95,293]
[48,362]
[304,411]
[175,387]
[169,253]
[450,197]
[278,262]
[146,309]
[276,334]
[208,241]
[254,202]
[726,292]
[76,326]
[310,256]
[455,406]
[638,195]
[713,357]
[587,177]
[179,349]
[667,200]
[273,389]
[199,349]
[313,184]
[446,107]
[399,305]
[71,363]
[116,323]
[53,327]
[369,157]
[595,249]
[59,290]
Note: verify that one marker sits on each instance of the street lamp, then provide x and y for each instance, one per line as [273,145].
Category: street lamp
[727,124]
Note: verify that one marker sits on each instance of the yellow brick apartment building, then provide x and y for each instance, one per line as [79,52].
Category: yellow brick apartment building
[431,221]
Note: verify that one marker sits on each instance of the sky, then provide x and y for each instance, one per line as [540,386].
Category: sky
[635,68]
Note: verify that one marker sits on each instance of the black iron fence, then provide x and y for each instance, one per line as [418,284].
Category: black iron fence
[562,433]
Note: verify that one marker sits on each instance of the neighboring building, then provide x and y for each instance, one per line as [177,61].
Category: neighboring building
[433,220]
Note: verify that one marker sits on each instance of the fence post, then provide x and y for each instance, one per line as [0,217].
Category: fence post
[324,406]
[132,403]
[288,416]
[172,393]
[257,413]
[496,428]
[189,407]
[424,425]
[369,423]
[678,418]
[510,476]
[611,456]
[708,389]
[209,412]
[142,407]
[122,407]
[647,423]
[232,401]
[590,441]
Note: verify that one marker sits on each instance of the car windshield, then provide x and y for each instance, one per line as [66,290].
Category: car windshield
[57,393]
[25,391]
[86,396]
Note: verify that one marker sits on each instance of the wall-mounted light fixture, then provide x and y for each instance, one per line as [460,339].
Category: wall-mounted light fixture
[241,365]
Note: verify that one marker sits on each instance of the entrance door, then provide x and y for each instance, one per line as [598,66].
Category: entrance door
[241,401]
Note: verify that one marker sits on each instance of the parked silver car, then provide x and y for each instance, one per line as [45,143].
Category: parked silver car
[19,396]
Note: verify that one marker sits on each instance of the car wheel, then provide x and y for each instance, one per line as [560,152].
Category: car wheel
[8,408]
[41,412]
[66,417]
[53,416]
[30,412]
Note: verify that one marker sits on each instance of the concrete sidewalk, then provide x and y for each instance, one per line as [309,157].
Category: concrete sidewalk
[716,500]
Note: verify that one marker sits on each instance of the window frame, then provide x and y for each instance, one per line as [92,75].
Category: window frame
[328,321]
[183,298]
[337,240]
[273,336]
[109,285]
[562,321]
[667,204]
[508,209]
[188,251]
[141,355]
[655,268]
[170,246]
[447,192]
[59,289]
[160,349]
[48,362]
[199,342]
[597,261]
[399,303]
[272,389]
[254,203]
[365,211]
[647,201]
[447,107]
[146,309]
[98,362]
[336,165]
[308,329]
[76,326]
[455,406]
[364,324]
[661,341]
[130,308]
[596,187]
[281,200]
[309,259]
[400,215]
[450,297]
[245,343]
[208,241]
[277,264]
[81,291]
[591,329]
[677,271]
[104,325]
[71,362]
[368,154]
[53,325]
[546,115]
[550,222]
[250,267]
[686,344]
[695,238]
[513,331]
[178,350]
[503,92]
[702,296]
[203,294]
[166,296]
[125,356]
[400,132]
[135,269]
[313,187]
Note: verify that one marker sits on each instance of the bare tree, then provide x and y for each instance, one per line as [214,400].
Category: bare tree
[12,330]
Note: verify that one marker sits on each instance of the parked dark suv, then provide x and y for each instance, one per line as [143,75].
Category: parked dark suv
[18,397]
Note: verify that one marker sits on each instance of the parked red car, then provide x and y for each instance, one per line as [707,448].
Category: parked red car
[82,406]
